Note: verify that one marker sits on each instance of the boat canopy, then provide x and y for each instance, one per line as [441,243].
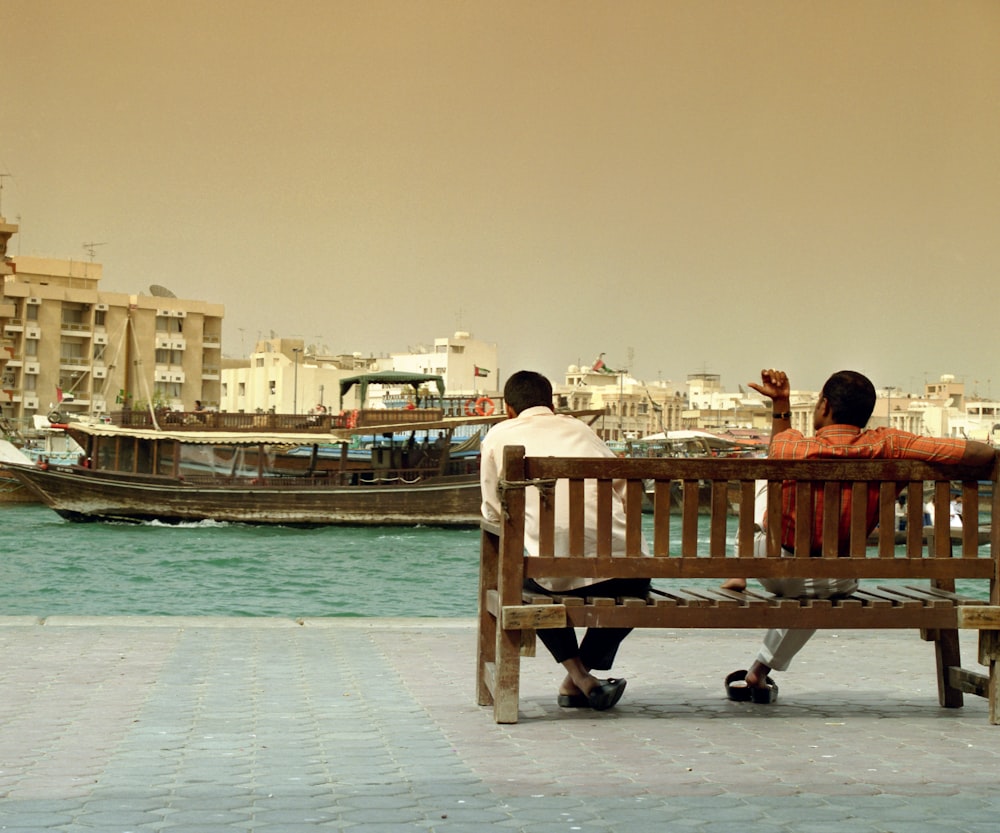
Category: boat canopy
[388,377]
[208,437]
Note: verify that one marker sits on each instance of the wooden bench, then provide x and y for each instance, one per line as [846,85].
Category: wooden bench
[922,570]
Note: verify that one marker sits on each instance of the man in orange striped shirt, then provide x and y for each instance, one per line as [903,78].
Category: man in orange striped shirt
[845,404]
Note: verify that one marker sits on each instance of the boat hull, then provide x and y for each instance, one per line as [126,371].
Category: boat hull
[80,494]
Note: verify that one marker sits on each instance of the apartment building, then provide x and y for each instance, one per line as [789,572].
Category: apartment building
[467,365]
[74,348]
[287,376]
[634,408]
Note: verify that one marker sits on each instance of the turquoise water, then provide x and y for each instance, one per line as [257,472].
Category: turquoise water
[51,567]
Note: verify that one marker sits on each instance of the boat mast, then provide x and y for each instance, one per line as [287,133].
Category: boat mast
[127,390]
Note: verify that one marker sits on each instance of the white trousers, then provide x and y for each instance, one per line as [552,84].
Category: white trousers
[782,644]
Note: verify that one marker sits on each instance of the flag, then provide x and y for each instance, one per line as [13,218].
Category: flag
[481,371]
[59,395]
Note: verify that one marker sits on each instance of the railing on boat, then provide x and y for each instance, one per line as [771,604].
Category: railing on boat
[309,423]
[328,479]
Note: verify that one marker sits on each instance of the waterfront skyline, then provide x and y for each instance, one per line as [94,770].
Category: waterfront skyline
[682,186]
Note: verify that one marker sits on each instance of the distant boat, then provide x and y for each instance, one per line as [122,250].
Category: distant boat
[12,490]
[31,447]
[685,444]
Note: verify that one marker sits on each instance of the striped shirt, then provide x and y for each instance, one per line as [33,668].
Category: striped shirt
[850,442]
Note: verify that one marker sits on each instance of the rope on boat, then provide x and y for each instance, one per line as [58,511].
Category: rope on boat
[397,479]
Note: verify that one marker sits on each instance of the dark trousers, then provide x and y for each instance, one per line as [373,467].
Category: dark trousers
[599,646]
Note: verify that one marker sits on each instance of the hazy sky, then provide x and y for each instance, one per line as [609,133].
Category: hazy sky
[700,186]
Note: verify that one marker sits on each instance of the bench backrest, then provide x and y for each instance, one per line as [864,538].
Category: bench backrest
[706,550]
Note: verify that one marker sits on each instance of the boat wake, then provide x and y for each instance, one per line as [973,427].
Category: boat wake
[203,524]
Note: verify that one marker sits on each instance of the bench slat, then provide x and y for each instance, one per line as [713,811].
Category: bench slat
[922,595]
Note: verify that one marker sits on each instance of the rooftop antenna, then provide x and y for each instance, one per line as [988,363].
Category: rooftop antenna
[89,248]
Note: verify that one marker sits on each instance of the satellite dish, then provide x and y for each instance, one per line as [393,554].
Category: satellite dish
[161,291]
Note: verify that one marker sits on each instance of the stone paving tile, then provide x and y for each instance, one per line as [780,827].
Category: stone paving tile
[175,725]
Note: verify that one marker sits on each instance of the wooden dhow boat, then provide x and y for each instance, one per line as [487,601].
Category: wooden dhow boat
[368,467]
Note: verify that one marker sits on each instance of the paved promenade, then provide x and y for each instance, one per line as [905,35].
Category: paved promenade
[204,725]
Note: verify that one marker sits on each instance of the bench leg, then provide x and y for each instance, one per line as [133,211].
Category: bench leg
[948,653]
[994,694]
[487,630]
[989,655]
[507,683]
[485,657]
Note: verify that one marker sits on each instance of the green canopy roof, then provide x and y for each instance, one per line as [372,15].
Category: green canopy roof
[388,377]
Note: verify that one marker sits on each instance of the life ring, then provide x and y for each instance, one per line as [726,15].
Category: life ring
[470,407]
[484,406]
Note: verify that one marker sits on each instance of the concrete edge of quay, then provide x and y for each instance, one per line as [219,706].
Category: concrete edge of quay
[356,622]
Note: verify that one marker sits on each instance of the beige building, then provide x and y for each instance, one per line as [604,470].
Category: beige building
[467,365]
[7,309]
[74,348]
[634,409]
[285,376]
[711,408]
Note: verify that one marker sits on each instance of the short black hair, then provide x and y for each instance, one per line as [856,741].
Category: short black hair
[527,389]
[851,397]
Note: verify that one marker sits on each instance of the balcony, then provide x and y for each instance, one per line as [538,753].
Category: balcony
[170,341]
[165,373]
[76,329]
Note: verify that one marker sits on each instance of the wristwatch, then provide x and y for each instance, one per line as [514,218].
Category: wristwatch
[782,415]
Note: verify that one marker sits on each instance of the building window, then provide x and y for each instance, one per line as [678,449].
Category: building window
[164,391]
[273,387]
[70,351]
[169,324]
[72,315]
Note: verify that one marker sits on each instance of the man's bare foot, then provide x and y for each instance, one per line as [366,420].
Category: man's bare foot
[757,675]
[737,584]
[568,687]
[583,685]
